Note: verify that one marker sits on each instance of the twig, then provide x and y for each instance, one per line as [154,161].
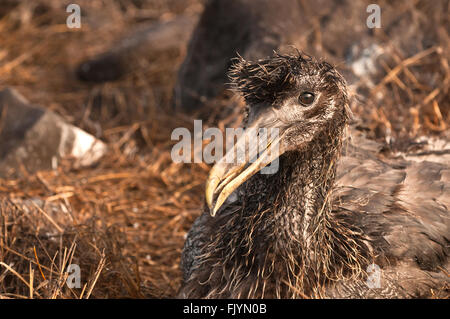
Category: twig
[60,230]
[100,267]
[409,61]
[37,261]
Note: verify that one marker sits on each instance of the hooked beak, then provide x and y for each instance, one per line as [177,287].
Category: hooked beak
[254,150]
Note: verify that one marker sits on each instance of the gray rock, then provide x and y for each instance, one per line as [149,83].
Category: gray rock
[37,139]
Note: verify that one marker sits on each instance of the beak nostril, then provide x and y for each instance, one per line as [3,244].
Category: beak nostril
[276,106]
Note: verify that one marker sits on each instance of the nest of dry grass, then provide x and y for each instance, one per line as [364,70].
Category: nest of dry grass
[124,221]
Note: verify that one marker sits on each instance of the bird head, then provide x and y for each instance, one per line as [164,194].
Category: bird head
[292,96]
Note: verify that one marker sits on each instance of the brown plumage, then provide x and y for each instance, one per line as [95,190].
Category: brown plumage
[312,228]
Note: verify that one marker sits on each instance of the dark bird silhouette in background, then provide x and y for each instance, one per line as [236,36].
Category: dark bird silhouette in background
[253,28]
[332,209]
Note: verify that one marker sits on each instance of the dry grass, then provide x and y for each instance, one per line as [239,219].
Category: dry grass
[124,220]
[129,214]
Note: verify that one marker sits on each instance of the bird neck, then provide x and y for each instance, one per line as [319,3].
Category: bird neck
[299,193]
[303,201]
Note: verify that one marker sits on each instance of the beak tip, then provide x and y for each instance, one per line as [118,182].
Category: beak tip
[211,185]
[213,211]
[209,203]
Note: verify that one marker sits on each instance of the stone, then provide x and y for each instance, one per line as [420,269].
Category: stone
[36,139]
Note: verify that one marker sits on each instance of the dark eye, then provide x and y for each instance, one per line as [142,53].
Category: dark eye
[306,98]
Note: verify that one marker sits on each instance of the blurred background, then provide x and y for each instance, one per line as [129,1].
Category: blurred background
[86,116]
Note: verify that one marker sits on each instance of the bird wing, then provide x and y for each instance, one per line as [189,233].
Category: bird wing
[403,209]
